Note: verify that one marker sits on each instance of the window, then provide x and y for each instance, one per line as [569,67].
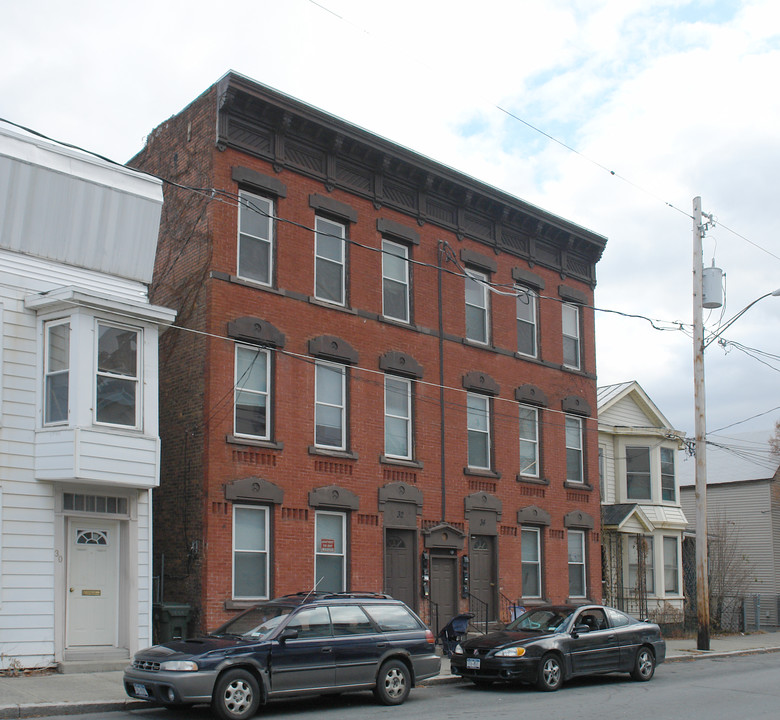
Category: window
[398,417]
[476,306]
[668,484]
[311,623]
[250,552]
[638,473]
[329,261]
[526,321]
[478,423]
[531,562]
[117,376]
[252,392]
[350,620]
[56,372]
[571,336]
[330,552]
[529,441]
[330,407]
[602,477]
[576,563]
[392,618]
[574,463]
[395,281]
[671,566]
[255,237]
[640,556]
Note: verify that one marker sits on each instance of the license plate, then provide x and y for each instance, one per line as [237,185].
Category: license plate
[140,690]
[472,663]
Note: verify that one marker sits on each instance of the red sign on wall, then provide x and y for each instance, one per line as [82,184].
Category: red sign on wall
[327,545]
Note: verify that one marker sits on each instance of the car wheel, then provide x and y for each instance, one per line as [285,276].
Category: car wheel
[644,665]
[236,695]
[393,683]
[550,674]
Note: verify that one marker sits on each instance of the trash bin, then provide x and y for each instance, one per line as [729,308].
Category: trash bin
[171,620]
[516,611]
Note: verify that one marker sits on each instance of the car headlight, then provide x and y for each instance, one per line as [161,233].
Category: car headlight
[179,665]
[511,652]
[458,650]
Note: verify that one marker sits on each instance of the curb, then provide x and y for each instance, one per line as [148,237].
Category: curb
[33,710]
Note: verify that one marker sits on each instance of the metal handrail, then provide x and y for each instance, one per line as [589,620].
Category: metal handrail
[505,608]
[480,609]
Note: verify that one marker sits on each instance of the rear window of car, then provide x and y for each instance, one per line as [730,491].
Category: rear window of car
[392,617]
[618,619]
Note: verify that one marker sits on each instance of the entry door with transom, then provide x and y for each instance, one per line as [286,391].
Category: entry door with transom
[399,565]
[93,571]
[444,587]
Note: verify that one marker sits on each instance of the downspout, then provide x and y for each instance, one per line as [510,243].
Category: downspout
[441,387]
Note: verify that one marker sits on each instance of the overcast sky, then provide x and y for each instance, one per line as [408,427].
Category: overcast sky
[613,114]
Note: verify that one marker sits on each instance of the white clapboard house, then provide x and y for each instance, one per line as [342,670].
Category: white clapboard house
[79,441]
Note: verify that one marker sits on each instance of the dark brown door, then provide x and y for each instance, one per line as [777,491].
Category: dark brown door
[444,588]
[483,572]
[399,565]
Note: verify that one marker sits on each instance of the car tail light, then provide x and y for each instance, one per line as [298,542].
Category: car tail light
[429,637]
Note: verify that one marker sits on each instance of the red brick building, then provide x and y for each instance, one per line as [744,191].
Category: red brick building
[384,376]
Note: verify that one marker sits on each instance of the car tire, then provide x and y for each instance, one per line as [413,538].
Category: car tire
[393,683]
[644,665]
[550,674]
[236,695]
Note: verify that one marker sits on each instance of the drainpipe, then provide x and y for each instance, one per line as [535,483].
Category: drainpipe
[441,387]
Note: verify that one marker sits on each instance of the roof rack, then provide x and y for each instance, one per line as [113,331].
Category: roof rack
[321,594]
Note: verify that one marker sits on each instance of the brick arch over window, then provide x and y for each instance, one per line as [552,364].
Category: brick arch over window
[480,382]
[400,363]
[330,347]
[579,519]
[254,489]
[531,395]
[334,497]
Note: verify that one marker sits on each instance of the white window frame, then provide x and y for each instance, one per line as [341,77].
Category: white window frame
[574,564]
[669,476]
[266,207]
[570,320]
[668,539]
[526,308]
[633,563]
[393,417]
[639,475]
[263,510]
[529,442]
[473,429]
[137,379]
[48,373]
[535,535]
[321,260]
[477,302]
[318,550]
[239,389]
[320,404]
[397,250]
[570,422]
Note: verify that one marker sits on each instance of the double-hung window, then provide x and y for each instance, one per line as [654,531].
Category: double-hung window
[638,485]
[255,237]
[250,552]
[576,558]
[330,406]
[668,484]
[574,459]
[478,422]
[571,335]
[529,441]
[671,566]
[252,392]
[56,372]
[531,560]
[330,553]
[398,417]
[526,321]
[395,281]
[477,325]
[329,261]
[118,375]
[640,562]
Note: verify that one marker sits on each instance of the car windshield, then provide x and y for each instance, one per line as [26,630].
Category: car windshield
[257,622]
[541,620]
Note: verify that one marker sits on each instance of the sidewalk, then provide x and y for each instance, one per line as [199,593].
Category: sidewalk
[52,694]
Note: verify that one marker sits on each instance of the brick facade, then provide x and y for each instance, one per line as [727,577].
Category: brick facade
[311,165]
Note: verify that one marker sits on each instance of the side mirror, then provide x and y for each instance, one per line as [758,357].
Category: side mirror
[288,634]
[579,629]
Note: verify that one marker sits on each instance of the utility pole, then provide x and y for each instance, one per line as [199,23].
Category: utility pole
[702,572]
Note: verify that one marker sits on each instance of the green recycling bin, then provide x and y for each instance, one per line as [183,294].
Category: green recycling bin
[171,620]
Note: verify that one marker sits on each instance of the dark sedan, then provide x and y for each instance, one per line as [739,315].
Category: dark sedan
[550,644]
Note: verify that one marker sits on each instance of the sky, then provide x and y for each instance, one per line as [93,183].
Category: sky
[613,114]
